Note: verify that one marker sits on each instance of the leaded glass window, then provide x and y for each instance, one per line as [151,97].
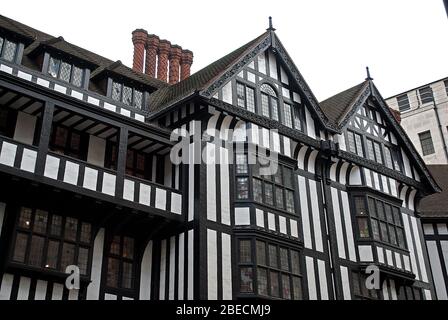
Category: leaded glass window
[269,102]
[66,71]
[288,114]
[127,95]
[64,74]
[41,242]
[120,263]
[9,50]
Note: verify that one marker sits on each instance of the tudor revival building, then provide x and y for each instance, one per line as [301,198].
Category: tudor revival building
[87,178]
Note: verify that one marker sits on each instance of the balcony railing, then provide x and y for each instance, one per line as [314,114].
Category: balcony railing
[87,178]
[68,89]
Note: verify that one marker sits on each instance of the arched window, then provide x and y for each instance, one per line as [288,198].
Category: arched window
[269,102]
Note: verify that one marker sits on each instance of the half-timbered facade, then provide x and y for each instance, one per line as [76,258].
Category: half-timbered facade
[275,196]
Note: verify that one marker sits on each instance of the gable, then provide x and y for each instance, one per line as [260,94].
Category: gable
[369,116]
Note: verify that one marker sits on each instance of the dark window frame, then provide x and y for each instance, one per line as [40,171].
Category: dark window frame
[245,101]
[72,68]
[48,237]
[122,260]
[133,94]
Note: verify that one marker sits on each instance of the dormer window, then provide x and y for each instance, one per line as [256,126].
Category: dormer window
[8,49]
[66,72]
[127,95]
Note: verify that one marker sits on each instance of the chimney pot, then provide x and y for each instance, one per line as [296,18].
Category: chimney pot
[139,37]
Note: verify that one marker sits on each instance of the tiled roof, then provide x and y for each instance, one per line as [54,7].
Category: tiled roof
[337,106]
[39,39]
[436,205]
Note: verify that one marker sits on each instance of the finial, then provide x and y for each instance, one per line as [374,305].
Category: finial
[368,74]
[271,28]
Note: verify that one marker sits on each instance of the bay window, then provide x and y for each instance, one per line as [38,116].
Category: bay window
[379,220]
[50,241]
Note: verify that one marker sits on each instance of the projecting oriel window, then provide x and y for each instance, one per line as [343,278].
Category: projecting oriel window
[426,143]
[426,95]
[379,220]
[8,49]
[66,71]
[403,103]
[129,96]
[274,271]
[50,241]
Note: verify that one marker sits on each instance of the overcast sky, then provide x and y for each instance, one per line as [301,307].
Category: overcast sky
[404,42]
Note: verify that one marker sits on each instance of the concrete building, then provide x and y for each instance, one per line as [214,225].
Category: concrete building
[424,117]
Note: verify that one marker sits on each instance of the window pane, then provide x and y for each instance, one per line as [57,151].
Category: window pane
[288,114]
[262,277]
[388,212]
[388,157]
[116,91]
[284,263]
[370,152]
[426,95]
[20,247]
[138,99]
[52,254]
[295,263]
[258,191]
[393,237]
[127,276]
[286,287]
[379,157]
[397,216]
[242,188]
[375,229]
[241,97]
[83,257]
[351,142]
[53,67]
[403,102]
[68,255]
[77,76]
[268,194]
[9,50]
[279,198]
[56,225]
[75,141]
[355,280]
[363,227]
[71,228]
[261,253]
[25,218]
[40,221]
[274,284]
[127,95]
[359,149]
[265,105]
[380,210]
[65,71]
[383,228]
[1,43]
[246,280]
[287,177]
[115,245]
[274,106]
[128,247]
[297,113]
[250,96]
[297,288]
[400,238]
[278,177]
[241,163]
[360,206]
[289,197]
[113,266]
[61,136]
[36,251]
[86,230]
[372,208]
[245,251]
[273,258]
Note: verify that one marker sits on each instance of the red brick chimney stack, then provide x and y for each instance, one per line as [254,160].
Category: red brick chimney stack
[162,67]
[175,56]
[152,47]
[186,62]
[139,37]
